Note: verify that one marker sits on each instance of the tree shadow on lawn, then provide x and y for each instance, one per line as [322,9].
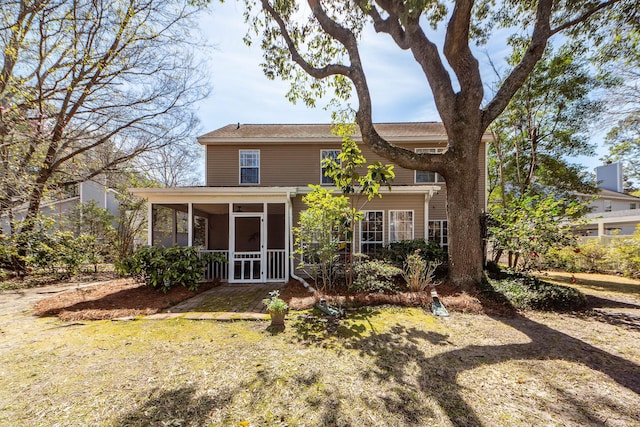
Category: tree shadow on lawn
[397,353]
[175,408]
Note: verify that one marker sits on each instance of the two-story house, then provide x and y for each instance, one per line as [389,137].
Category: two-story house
[256,176]
[61,201]
[612,212]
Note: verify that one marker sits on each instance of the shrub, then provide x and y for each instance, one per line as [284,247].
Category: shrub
[164,268]
[376,276]
[398,252]
[529,293]
[626,255]
[61,253]
[418,273]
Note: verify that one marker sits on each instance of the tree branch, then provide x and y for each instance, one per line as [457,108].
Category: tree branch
[584,16]
[459,56]
[517,77]
[318,73]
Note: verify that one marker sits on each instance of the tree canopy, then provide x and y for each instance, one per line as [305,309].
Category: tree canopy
[318,49]
[88,85]
[547,121]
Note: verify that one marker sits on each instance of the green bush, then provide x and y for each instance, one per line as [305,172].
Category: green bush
[626,255]
[164,268]
[376,276]
[418,272]
[622,256]
[529,293]
[397,252]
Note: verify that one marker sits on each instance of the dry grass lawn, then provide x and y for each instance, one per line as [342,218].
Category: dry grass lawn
[379,367]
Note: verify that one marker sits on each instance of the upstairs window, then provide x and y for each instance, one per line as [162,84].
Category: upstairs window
[426,176]
[249,166]
[633,205]
[327,154]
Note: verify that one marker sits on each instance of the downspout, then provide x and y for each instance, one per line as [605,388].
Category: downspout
[292,267]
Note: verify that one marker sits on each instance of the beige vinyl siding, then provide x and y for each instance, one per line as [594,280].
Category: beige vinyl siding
[410,202]
[299,164]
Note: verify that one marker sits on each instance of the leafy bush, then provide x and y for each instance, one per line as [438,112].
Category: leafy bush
[376,276]
[61,253]
[398,252]
[529,293]
[621,256]
[164,268]
[418,273]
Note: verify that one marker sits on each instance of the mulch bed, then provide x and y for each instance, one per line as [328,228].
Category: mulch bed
[299,298]
[113,299]
[127,298]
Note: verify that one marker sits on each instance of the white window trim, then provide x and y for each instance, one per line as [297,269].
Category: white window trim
[322,150]
[429,150]
[413,224]
[442,222]
[240,167]
[361,230]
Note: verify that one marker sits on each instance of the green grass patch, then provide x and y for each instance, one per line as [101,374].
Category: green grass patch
[530,293]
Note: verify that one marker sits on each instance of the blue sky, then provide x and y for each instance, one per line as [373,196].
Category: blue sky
[241,92]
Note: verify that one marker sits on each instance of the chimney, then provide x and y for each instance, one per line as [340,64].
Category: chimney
[609,177]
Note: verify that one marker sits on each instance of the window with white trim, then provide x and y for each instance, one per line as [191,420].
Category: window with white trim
[438,231]
[400,226]
[327,154]
[426,176]
[633,205]
[607,205]
[372,232]
[249,166]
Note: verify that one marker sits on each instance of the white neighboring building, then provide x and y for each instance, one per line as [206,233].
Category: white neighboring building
[67,197]
[613,212]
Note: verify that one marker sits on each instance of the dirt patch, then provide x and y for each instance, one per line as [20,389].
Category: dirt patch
[113,299]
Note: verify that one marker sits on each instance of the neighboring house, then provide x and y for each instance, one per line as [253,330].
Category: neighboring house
[256,176]
[62,201]
[612,212]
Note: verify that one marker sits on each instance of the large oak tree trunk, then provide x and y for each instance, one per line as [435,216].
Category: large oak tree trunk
[464,210]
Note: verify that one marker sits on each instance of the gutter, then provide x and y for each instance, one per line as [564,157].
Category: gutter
[292,267]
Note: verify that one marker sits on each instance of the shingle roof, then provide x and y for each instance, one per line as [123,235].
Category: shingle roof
[321,131]
[605,193]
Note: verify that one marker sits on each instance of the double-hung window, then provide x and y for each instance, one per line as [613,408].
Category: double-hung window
[400,226]
[426,176]
[327,154]
[249,166]
[439,233]
[371,232]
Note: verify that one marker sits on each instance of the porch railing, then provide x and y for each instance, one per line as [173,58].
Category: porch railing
[216,269]
[276,261]
[276,265]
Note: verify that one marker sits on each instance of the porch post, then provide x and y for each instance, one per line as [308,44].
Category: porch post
[287,233]
[426,217]
[231,245]
[190,224]
[150,224]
